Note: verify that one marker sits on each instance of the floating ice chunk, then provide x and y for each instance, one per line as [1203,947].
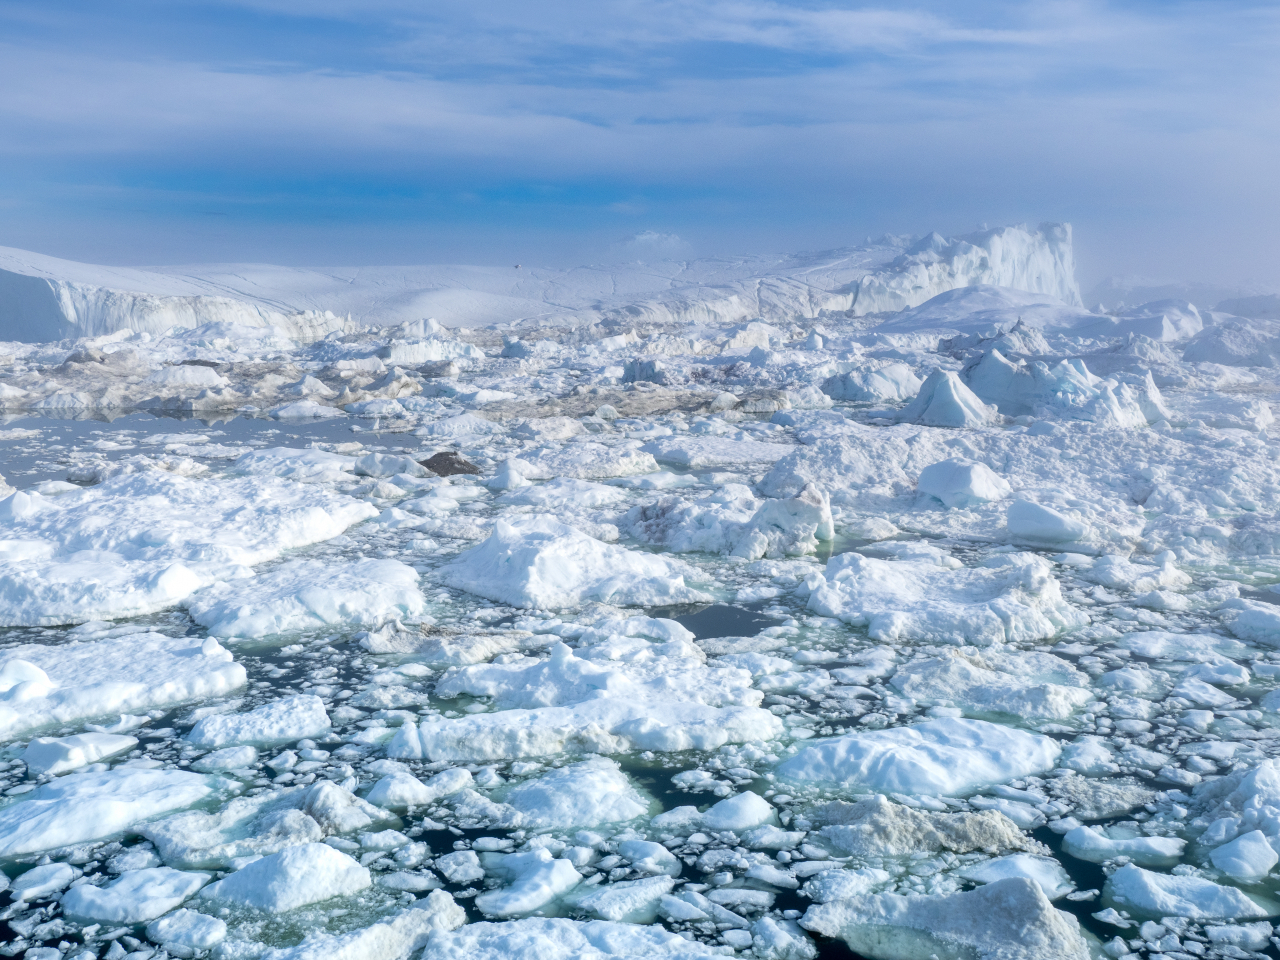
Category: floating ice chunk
[944,757]
[1045,871]
[1099,844]
[790,527]
[137,897]
[289,718]
[1199,692]
[632,901]
[891,381]
[307,465]
[1066,390]
[842,884]
[42,881]
[1009,597]
[1246,936]
[1248,858]
[649,857]
[185,375]
[245,827]
[556,939]
[739,813]
[583,794]
[54,756]
[292,878]
[945,401]
[140,542]
[1010,919]
[595,726]
[462,425]
[874,827]
[962,483]
[1159,320]
[381,407]
[304,410]
[187,930]
[1199,647]
[1155,895]
[402,935]
[1251,620]
[305,595]
[563,492]
[1029,686]
[228,758]
[536,878]
[539,562]
[82,807]
[461,866]
[588,460]
[1090,756]
[1122,573]
[401,790]
[1034,523]
[699,453]
[387,465]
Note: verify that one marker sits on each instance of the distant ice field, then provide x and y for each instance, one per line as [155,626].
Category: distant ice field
[952,630]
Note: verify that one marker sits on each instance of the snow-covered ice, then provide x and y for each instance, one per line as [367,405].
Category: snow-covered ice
[886,597]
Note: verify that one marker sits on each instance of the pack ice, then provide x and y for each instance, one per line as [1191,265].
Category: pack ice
[884,600]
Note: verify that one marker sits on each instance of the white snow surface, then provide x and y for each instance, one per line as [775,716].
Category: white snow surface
[935,758]
[661,595]
[84,680]
[539,562]
[139,543]
[48,298]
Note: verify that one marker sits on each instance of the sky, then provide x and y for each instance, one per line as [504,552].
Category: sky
[336,132]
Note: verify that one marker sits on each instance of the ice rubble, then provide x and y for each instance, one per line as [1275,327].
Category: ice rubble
[83,807]
[135,544]
[942,757]
[306,595]
[542,563]
[82,680]
[1052,613]
[668,701]
[49,298]
[1010,597]
[1009,919]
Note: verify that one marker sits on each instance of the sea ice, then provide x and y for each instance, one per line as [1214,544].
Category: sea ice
[138,896]
[583,794]
[1156,895]
[1009,597]
[536,938]
[945,401]
[961,483]
[82,807]
[535,879]
[289,718]
[292,878]
[57,755]
[401,935]
[307,595]
[538,562]
[138,543]
[943,757]
[1009,919]
[43,685]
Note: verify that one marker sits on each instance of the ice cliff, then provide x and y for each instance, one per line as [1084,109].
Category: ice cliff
[43,298]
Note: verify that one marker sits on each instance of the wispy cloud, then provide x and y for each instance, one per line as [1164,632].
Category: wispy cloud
[728,120]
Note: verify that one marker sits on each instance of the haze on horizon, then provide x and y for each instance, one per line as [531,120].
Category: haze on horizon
[380,132]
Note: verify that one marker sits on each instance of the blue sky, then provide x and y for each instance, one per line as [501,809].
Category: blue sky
[382,131]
